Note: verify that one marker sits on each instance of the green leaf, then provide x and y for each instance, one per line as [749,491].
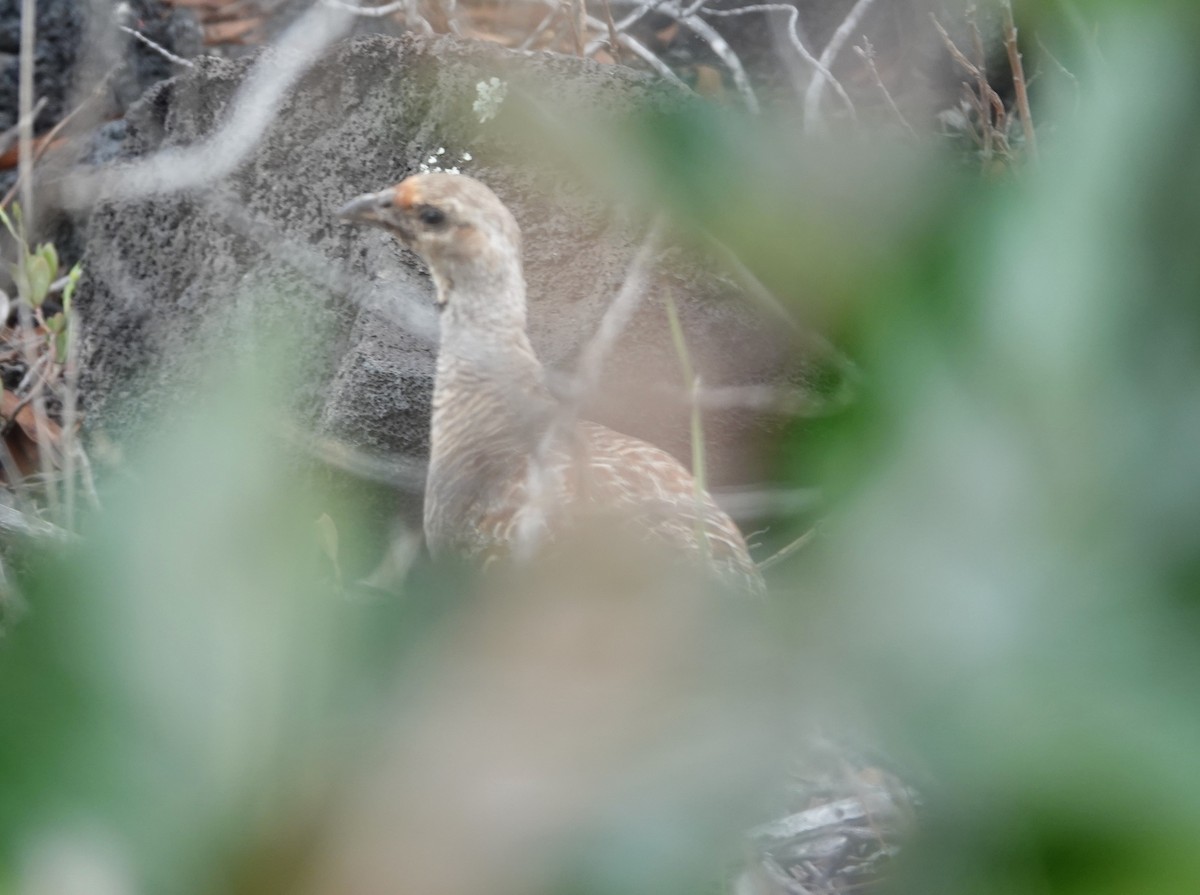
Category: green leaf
[62,345]
[327,538]
[57,323]
[50,253]
[8,224]
[40,276]
[19,222]
[72,282]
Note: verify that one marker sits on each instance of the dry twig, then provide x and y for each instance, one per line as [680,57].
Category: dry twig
[10,136]
[613,40]
[867,53]
[156,47]
[1018,74]
[989,108]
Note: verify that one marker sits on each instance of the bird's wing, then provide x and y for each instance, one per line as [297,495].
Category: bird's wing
[610,475]
[634,478]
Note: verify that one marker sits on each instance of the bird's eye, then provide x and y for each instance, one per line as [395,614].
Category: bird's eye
[431,217]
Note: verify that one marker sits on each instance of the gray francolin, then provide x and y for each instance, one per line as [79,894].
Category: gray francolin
[504,475]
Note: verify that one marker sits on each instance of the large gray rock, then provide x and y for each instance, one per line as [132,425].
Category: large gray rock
[262,251]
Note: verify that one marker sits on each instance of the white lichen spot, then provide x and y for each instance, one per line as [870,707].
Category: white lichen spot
[489,95]
[433,163]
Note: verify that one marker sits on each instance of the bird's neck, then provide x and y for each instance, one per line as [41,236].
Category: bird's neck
[490,392]
[483,326]
[491,408]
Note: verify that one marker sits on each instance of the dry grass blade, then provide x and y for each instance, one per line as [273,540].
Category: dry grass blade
[789,550]
[692,381]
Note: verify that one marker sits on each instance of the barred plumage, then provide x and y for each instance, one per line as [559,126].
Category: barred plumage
[508,468]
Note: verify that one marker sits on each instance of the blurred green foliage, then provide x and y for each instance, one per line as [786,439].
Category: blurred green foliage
[1006,583]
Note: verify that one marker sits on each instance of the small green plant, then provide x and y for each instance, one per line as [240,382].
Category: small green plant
[36,275]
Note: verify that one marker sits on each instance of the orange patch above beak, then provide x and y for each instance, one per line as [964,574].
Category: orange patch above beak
[407,194]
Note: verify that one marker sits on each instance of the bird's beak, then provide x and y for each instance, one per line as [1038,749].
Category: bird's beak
[370,208]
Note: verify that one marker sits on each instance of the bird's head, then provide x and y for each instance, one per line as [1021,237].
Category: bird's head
[462,230]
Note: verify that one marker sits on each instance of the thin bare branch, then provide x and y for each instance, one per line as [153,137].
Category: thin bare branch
[793,33]
[544,24]
[726,54]
[156,47]
[640,50]
[368,12]
[539,485]
[629,19]
[252,111]
[578,17]
[14,522]
[619,313]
